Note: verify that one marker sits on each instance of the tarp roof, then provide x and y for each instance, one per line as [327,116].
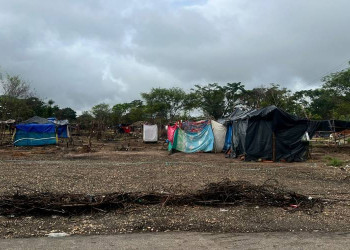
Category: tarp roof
[40,120]
[37,120]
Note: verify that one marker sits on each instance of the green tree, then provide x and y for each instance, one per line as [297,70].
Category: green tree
[119,111]
[66,113]
[13,103]
[37,106]
[50,109]
[165,103]
[85,120]
[102,113]
[331,100]
[274,94]
[337,85]
[16,87]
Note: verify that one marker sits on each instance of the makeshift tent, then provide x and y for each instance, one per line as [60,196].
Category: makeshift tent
[193,137]
[219,132]
[62,127]
[35,134]
[126,129]
[150,133]
[38,131]
[37,120]
[228,137]
[268,134]
[330,126]
[170,132]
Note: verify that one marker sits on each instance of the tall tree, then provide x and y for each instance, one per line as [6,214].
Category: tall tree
[165,103]
[66,113]
[85,120]
[102,113]
[216,100]
[12,103]
[14,86]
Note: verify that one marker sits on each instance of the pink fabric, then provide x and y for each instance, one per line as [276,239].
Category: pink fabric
[171,132]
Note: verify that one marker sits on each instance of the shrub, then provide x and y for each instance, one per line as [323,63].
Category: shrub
[335,162]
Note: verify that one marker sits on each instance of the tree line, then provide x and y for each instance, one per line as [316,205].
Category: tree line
[330,101]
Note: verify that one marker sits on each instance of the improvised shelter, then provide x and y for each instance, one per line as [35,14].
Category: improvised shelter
[327,126]
[268,134]
[62,127]
[228,137]
[38,131]
[219,131]
[35,131]
[150,133]
[190,137]
[337,131]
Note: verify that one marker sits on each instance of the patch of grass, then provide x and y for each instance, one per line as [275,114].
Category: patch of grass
[334,162]
[328,158]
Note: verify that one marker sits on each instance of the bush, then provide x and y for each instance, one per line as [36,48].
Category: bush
[334,162]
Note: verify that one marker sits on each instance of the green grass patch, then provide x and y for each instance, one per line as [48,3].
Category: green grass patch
[334,161]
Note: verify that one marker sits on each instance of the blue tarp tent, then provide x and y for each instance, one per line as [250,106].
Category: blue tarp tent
[62,131]
[62,127]
[38,131]
[35,134]
[228,138]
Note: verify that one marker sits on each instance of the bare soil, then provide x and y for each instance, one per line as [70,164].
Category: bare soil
[131,166]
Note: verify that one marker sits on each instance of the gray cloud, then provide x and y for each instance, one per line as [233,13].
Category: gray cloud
[81,53]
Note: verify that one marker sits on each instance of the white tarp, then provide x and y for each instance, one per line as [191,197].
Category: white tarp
[150,133]
[219,131]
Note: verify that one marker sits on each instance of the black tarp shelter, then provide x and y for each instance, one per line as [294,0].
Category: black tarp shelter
[268,134]
[330,126]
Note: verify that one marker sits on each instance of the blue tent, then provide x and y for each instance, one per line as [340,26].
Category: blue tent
[38,131]
[62,131]
[228,138]
[62,127]
[35,134]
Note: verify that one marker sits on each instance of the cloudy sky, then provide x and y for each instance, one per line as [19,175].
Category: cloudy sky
[84,52]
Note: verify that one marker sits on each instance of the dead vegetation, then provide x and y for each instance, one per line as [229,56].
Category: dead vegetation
[225,193]
[107,191]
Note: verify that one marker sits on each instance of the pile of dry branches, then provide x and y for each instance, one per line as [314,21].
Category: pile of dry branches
[225,193]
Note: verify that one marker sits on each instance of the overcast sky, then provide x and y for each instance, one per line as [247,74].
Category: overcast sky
[83,52]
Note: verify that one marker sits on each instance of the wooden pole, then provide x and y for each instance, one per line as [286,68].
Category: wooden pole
[273,146]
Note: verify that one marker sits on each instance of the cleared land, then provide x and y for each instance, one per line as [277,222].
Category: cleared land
[151,169]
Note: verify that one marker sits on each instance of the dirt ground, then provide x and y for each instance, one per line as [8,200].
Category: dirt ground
[148,167]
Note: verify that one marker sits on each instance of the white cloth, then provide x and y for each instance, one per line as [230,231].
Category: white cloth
[219,131]
[150,133]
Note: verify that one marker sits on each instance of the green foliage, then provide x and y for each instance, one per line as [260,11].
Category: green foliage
[164,103]
[127,113]
[334,161]
[101,113]
[273,95]
[211,99]
[14,86]
[217,101]
[85,120]
[330,101]
[50,110]
[66,113]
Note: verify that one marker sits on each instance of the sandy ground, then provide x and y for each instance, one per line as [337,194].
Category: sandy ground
[62,170]
[186,240]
